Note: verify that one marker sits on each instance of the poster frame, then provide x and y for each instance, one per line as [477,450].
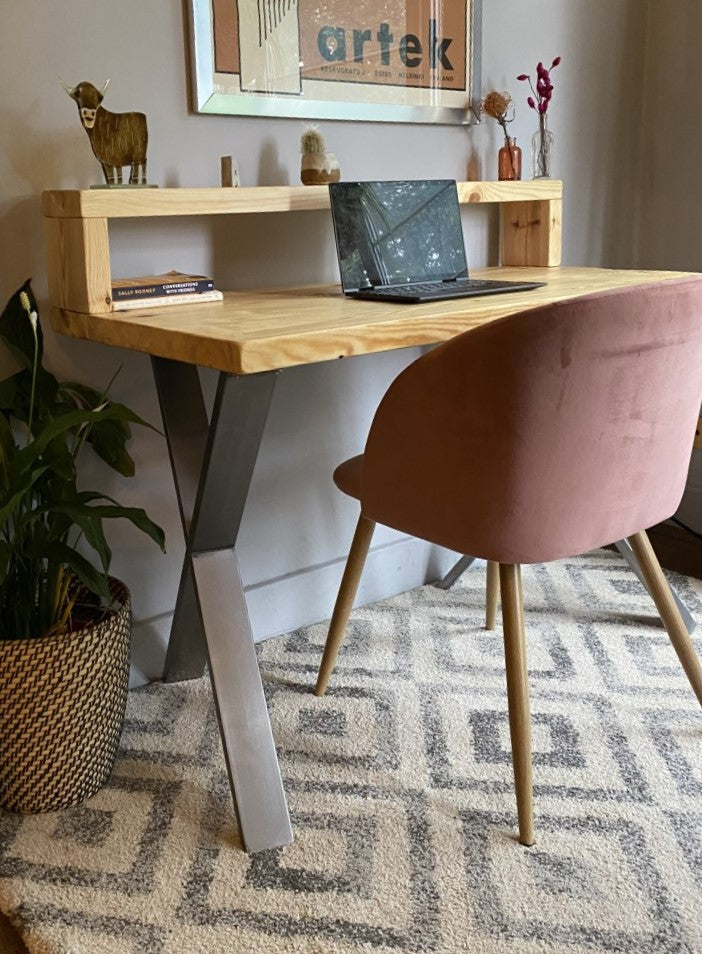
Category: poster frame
[212,92]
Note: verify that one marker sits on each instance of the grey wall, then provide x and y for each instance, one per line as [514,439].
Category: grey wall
[297,528]
[671,149]
[672,185]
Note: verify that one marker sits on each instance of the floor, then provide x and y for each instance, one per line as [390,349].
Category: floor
[676,549]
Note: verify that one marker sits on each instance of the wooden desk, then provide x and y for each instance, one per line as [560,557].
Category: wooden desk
[255,331]
[249,337]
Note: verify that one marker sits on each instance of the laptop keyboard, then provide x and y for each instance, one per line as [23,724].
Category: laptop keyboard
[446,289]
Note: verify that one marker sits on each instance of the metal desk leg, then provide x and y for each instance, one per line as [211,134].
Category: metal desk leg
[211,569]
[624,548]
[458,569]
[185,425]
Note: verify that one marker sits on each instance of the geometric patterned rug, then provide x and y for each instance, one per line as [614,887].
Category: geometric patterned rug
[401,793]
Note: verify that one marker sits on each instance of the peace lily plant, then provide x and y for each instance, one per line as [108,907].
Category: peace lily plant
[48,584]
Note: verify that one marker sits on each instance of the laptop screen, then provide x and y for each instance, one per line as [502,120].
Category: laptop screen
[391,233]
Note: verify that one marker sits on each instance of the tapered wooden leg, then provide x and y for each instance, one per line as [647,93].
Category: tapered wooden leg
[491,594]
[518,695]
[344,601]
[669,612]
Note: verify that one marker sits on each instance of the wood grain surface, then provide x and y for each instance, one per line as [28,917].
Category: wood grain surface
[138,203]
[262,330]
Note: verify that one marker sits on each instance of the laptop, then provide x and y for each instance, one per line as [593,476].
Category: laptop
[403,241]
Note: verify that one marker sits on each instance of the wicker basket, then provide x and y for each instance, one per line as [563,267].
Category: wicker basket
[62,702]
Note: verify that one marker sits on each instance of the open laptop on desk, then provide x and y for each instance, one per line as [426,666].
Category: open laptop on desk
[403,241]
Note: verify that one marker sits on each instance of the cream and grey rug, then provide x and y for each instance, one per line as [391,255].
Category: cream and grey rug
[400,787]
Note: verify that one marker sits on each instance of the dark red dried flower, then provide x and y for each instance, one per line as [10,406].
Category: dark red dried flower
[544,87]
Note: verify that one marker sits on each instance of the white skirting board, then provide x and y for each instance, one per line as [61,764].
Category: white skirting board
[300,599]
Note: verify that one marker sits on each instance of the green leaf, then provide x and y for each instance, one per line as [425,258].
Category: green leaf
[8,448]
[108,440]
[16,329]
[16,395]
[5,557]
[67,422]
[89,519]
[61,554]
[58,457]
[16,494]
[78,505]
[138,517]
[40,506]
[8,390]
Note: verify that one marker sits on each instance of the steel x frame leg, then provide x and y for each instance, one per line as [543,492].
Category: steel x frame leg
[626,551]
[624,547]
[456,571]
[212,467]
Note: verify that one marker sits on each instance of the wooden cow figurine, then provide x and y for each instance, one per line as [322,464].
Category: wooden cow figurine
[117,139]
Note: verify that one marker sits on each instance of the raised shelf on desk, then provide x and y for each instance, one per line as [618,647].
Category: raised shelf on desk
[77,221]
[148,203]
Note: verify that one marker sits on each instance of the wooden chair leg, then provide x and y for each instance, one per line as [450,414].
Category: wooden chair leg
[491,594]
[669,612]
[344,601]
[518,695]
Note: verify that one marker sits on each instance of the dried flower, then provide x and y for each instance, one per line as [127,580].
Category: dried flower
[497,105]
[539,101]
[544,87]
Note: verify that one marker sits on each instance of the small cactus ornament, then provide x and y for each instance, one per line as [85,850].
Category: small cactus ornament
[318,166]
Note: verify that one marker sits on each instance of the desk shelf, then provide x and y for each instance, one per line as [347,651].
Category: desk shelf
[78,250]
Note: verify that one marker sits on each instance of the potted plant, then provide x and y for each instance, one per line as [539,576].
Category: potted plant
[64,622]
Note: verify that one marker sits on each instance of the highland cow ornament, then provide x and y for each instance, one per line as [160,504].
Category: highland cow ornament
[117,139]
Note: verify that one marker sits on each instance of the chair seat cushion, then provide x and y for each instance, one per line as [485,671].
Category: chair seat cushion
[347,476]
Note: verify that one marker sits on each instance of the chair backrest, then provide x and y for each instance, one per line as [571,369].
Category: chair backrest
[547,433]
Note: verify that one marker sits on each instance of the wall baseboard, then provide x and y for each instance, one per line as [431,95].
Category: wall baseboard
[301,599]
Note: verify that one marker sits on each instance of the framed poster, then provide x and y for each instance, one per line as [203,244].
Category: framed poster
[414,61]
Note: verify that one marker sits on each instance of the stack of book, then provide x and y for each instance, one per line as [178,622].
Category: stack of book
[173,288]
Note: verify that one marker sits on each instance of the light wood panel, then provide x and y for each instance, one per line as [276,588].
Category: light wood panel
[530,233]
[78,260]
[344,601]
[522,191]
[254,331]
[77,222]
[518,696]
[138,203]
[492,590]
[669,612]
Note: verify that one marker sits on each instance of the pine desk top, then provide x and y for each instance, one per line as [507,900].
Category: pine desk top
[263,330]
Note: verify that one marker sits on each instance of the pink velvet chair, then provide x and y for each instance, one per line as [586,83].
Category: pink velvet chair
[538,436]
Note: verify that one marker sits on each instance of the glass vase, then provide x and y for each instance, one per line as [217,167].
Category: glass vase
[509,161]
[542,150]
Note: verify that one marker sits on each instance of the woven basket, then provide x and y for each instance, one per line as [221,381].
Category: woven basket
[62,702]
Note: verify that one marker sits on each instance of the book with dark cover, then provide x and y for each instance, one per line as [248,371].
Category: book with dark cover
[160,286]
